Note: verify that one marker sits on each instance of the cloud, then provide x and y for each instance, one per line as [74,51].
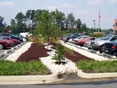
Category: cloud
[113,1]
[82,12]
[94,2]
[6,3]
[65,5]
[52,8]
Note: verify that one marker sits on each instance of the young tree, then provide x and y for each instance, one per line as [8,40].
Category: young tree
[44,27]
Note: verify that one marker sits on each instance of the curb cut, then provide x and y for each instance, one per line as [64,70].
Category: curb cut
[30,79]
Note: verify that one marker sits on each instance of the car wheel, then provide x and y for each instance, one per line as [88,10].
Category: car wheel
[1,46]
[101,49]
[89,48]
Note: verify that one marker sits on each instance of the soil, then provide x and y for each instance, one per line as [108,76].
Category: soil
[34,53]
[75,57]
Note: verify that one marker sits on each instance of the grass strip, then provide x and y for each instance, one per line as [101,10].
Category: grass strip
[97,66]
[22,68]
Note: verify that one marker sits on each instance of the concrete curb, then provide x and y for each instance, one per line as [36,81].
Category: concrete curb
[1,55]
[95,75]
[30,79]
[82,74]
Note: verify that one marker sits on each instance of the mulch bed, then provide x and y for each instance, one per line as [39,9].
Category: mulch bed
[34,53]
[75,57]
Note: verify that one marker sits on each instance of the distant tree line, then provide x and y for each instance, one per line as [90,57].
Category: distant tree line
[45,22]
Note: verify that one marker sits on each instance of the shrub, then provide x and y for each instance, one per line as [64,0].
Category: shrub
[97,34]
[60,53]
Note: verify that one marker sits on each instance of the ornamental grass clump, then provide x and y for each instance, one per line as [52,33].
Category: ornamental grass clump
[60,54]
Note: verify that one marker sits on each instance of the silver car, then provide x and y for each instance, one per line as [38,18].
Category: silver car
[99,44]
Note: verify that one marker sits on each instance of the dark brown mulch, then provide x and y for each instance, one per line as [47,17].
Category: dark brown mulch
[76,57]
[34,53]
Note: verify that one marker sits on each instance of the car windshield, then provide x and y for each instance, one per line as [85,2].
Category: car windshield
[79,37]
[105,38]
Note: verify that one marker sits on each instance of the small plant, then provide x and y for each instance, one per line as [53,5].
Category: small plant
[60,54]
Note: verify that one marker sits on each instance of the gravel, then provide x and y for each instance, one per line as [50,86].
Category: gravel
[85,53]
[69,67]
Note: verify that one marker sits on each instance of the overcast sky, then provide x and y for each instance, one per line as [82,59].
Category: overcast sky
[86,10]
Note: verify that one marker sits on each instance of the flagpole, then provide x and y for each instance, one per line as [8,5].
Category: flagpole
[99,21]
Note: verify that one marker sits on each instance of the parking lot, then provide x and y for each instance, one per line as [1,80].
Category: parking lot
[103,46]
[91,53]
[4,53]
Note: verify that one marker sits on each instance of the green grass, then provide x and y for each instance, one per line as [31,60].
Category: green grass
[22,68]
[97,66]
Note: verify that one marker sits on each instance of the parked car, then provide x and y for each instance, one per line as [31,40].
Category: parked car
[9,39]
[66,37]
[82,41]
[69,36]
[73,36]
[75,40]
[22,37]
[111,47]
[5,44]
[99,44]
[88,43]
[12,36]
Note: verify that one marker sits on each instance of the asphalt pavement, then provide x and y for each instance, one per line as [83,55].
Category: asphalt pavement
[104,84]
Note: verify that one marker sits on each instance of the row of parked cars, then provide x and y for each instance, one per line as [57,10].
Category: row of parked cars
[10,40]
[106,44]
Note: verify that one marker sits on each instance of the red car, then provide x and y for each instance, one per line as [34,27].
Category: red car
[5,44]
[82,41]
[11,40]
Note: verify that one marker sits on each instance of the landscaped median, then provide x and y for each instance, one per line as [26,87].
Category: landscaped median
[33,72]
[95,67]
[38,65]
[26,68]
